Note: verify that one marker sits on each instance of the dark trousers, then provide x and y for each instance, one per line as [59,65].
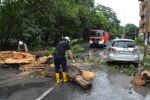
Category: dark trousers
[60,61]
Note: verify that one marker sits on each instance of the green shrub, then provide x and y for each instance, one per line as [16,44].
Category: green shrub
[75,41]
[146,67]
[139,40]
[50,51]
[146,59]
[146,64]
[89,61]
[130,70]
[76,47]
[35,48]
[115,66]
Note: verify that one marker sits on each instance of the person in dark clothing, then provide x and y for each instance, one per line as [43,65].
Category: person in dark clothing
[22,47]
[60,59]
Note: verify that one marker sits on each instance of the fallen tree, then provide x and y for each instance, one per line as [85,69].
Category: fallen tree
[13,57]
[28,62]
[25,61]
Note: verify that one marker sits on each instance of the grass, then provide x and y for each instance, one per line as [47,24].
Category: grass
[146,63]
[77,48]
[126,69]
[89,60]
[146,59]
[129,70]
[139,41]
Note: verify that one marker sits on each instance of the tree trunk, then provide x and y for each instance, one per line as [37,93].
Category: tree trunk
[75,75]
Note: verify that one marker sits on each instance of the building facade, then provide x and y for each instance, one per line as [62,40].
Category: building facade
[144,23]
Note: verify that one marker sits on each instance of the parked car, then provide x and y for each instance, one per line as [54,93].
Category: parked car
[123,50]
[98,38]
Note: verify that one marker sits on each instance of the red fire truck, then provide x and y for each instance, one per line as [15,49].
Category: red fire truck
[98,38]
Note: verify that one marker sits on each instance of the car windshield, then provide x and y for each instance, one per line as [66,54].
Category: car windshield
[123,44]
[96,33]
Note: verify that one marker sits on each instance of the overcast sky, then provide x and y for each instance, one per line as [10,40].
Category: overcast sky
[127,10]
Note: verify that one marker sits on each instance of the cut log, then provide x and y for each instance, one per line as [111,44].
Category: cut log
[138,80]
[52,65]
[146,73]
[146,76]
[13,57]
[87,75]
[79,80]
[37,63]
[42,60]
[75,75]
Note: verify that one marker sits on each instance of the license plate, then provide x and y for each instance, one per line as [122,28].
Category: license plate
[123,52]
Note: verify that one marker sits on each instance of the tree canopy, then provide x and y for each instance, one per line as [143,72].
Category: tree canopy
[130,31]
[39,22]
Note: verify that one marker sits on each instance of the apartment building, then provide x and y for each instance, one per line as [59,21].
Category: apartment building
[144,23]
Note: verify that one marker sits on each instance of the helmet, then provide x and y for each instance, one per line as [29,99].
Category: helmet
[67,38]
[20,43]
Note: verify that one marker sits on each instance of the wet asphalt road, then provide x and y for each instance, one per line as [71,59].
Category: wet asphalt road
[109,84]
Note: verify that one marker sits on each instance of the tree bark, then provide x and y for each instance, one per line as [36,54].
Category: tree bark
[75,75]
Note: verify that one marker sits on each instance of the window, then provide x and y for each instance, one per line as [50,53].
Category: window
[96,33]
[123,44]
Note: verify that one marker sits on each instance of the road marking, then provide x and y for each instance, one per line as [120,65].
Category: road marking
[44,94]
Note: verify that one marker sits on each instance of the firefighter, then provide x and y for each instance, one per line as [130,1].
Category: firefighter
[22,47]
[60,59]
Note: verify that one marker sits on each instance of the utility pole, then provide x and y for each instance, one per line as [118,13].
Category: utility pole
[124,33]
[147,26]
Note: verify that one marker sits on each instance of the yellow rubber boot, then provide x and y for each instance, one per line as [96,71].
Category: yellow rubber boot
[57,78]
[65,78]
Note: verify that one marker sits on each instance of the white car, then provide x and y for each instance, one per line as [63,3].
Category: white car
[123,50]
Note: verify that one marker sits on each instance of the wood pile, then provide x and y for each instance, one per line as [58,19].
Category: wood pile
[45,66]
[13,57]
[142,78]
[37,65]
[26,61]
